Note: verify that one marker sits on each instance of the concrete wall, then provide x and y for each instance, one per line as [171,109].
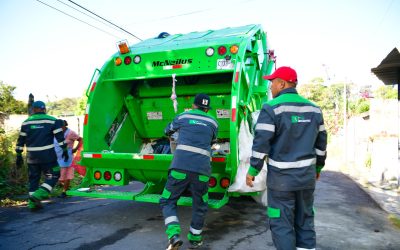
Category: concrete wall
[377,139]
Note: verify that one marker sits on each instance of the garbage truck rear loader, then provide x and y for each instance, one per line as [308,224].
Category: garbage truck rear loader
[129,105]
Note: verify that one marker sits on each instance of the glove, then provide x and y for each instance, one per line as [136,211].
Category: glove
[65,155]
[19,161]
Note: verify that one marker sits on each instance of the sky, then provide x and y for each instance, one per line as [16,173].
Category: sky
[53,53]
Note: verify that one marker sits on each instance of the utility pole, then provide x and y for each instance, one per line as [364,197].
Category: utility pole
[345,121]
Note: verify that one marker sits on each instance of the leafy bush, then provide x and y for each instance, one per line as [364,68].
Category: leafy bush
[13,180]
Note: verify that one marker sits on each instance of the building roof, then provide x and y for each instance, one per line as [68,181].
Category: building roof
[388,71]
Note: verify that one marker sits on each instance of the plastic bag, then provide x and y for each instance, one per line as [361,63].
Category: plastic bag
[245,145]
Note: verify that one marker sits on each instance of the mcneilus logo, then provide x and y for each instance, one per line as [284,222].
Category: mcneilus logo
[298,118]
[172,62]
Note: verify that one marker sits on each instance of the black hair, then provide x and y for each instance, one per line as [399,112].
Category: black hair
[65,123]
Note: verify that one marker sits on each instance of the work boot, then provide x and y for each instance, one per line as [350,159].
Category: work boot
[34,205]
[195,244]
[174,242]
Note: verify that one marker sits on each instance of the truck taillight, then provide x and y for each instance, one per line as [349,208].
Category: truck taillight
[107,175]
[221,50]
[118,61]
[210,51]
[127,60]
[212,182]
[97,175]
[234,49]
[117,176]
[224,182]
[137,59]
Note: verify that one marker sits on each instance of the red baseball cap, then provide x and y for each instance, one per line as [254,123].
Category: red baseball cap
[285,73]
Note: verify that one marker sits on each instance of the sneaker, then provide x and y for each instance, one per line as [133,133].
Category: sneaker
[174,242]
[34,204]
[62,195]
[195,244]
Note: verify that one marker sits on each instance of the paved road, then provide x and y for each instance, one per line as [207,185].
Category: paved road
[346,218]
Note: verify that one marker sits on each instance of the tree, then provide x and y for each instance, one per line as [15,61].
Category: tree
[64,107]
[81,105]
[386,92]
[8,104]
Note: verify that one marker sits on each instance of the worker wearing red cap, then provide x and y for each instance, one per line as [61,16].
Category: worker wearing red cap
[290,136]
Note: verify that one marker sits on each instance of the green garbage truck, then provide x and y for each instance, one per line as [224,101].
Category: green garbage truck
[141,88]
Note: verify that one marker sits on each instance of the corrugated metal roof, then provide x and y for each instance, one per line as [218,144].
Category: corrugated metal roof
[388,71]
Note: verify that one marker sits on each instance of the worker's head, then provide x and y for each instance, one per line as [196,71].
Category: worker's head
[282,78]
[39,107]
[202,102]
[64,125]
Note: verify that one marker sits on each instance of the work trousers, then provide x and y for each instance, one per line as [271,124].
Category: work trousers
[51,172]
[291,219]
[177,183]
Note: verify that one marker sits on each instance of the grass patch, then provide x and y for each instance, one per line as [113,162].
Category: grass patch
[395,220]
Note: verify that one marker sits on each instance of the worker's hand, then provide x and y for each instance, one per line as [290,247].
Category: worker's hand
[65,155]
[249,180]
[19,161]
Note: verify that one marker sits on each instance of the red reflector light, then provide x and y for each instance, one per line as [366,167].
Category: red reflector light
[96,155]
[212,182]
[97,175]
[107,175]
[148,157]
[93,86]
[127,60]
[224,182]
[86,119]
[221,50]
[218,159]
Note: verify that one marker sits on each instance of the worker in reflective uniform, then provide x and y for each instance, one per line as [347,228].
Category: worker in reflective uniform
[190,170]
[38,133]
[289,135]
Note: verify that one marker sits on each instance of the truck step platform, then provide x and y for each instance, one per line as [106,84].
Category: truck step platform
[151,198]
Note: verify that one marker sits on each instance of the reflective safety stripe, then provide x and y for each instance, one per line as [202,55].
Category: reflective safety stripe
[22,133]
[258,155]
[321,128]
[55,131]
[40,148]
[320,152]
[62,143]
[30,193]
[300,248]
[293,164]
[265,126]
[297,109]
[47,187]
[200,118]
[171,219]
[19,148]
[195,231]
[193,149]
[38,122]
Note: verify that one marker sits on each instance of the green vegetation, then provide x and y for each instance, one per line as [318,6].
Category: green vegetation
[8,104]
[14,180]
[386,92]
[394,220]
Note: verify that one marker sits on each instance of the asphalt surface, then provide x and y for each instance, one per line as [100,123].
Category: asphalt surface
[346,218]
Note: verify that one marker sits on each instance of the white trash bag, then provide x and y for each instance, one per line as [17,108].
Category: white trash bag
[245,145]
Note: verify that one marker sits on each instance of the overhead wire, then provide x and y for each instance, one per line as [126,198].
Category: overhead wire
[100,21]
[105,20]
[52,7]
